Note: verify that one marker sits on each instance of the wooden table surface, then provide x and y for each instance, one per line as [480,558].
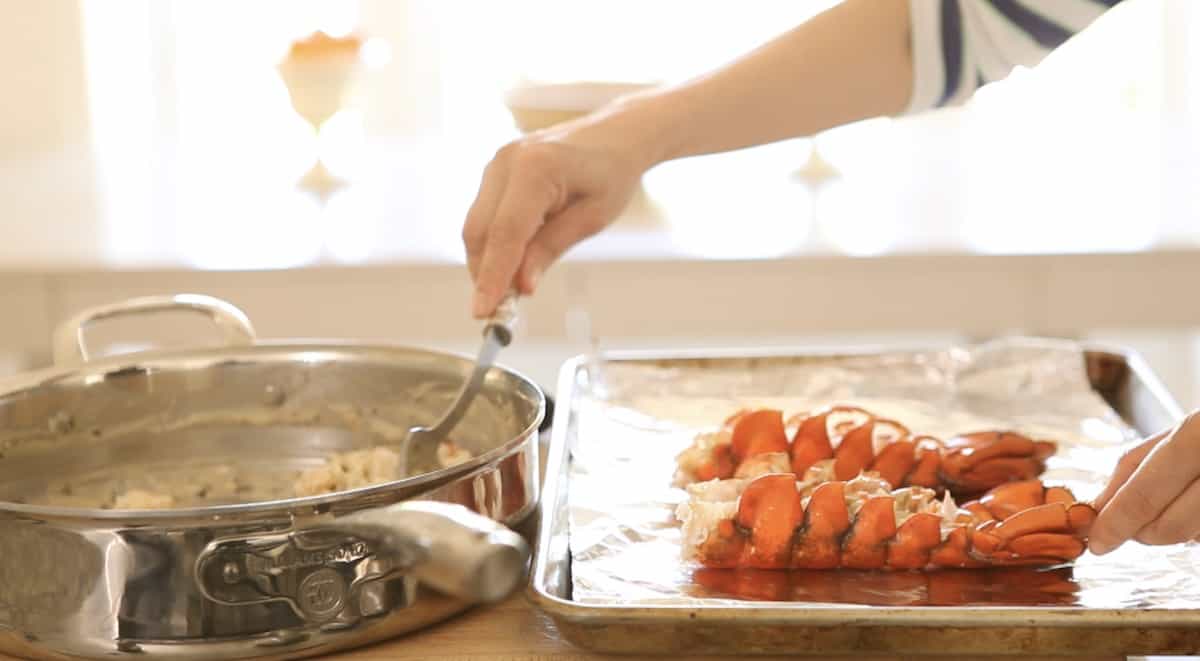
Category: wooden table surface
[515,630]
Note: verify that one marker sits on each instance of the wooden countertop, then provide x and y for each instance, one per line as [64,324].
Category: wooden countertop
[514,629]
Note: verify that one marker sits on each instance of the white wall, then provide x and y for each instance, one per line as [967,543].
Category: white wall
[42,82]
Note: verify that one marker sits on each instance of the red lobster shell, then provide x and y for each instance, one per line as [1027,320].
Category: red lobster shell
[777,522]
[840,442]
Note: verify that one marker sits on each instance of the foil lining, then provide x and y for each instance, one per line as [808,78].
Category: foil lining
[632,420]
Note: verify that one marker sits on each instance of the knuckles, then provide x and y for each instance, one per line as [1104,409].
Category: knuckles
[1135,505]
[527,157]
[473,235]
[1164,532]
[1130,459]
[507,230]
[523,152]
[506,152]
[1188,433]
[529,163]
[534,158]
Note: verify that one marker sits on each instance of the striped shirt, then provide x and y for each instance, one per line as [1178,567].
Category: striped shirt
[960,45]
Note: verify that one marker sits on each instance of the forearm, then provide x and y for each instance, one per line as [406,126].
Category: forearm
[849,63]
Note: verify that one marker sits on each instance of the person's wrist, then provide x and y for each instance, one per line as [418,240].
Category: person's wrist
[637,129]
[648,127]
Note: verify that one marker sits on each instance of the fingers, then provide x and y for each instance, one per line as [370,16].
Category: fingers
[522,210]
[1166,471]
[1125,467]
[568,228]
[520,222]
[1178,523]
[483,209]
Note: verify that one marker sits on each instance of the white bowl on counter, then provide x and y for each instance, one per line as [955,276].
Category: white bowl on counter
[537,106]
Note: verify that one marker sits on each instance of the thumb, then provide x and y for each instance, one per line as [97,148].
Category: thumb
[560,232]
[1128,463]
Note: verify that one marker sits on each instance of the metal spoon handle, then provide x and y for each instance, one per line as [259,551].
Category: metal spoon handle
[503,322]
[497,334]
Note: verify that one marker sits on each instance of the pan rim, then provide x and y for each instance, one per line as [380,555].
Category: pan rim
[279,349]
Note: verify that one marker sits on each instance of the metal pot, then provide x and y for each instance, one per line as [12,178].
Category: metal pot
[256,572]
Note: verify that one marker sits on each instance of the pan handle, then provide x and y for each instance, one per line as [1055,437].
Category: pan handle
[327,571]
[466,555]
[70,349]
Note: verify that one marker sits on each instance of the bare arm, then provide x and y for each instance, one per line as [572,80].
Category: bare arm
[863,58]
[848,63]
[548,191]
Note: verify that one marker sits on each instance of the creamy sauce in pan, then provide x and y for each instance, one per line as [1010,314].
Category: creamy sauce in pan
[361,468]
[223,484]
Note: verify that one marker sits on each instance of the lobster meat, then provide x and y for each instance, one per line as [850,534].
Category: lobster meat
[775,521]
[840,442]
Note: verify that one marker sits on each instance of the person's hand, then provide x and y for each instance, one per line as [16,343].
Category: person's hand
[540,196]
[1154,494]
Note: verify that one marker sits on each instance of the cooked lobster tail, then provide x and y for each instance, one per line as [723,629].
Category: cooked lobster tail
[777,522]
[841,442]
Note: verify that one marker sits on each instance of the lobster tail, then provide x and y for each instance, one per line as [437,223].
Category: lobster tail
[841,442]
[864,524]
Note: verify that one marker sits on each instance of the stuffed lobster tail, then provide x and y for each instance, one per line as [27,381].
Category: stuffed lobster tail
[842,442]
[976,462]
[776,522]
[749,442]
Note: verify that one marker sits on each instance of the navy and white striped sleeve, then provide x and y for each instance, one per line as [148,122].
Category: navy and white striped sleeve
[960,45]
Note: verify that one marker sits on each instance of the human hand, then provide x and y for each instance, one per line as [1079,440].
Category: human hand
[1154,494]
[541,195]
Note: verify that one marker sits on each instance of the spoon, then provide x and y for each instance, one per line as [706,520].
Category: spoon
[419,447]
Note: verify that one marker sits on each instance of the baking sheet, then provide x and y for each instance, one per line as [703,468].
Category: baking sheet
[634,418]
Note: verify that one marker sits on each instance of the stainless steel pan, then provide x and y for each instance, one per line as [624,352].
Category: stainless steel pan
[239,566]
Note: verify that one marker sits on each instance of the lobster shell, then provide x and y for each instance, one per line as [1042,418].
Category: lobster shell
[754,442]
[772,527]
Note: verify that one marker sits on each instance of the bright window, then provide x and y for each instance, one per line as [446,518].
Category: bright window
[200,145]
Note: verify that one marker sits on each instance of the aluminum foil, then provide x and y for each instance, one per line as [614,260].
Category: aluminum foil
[633,419]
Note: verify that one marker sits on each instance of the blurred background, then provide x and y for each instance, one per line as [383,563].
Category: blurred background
[312,161]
